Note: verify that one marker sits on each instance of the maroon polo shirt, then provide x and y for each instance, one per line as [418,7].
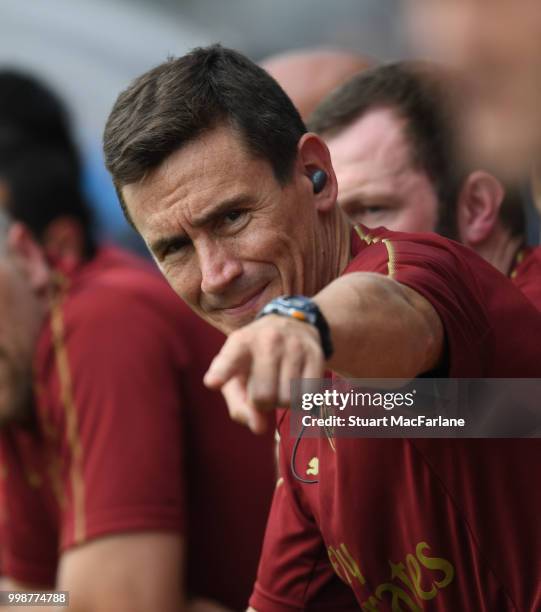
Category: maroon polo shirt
[417,524]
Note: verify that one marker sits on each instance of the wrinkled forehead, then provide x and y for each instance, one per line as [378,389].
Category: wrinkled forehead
[195,179]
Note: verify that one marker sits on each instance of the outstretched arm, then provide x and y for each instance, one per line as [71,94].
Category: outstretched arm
[379,328]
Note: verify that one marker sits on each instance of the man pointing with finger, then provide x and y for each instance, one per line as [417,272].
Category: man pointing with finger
[237,204]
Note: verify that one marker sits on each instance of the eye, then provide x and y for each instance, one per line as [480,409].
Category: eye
[232,221]
[359,208]
[175,246]
[233,215]
[374,210]
[169,250]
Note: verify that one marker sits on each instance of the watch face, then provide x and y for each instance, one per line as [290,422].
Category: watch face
[297,302]
[296,306]
[301,308]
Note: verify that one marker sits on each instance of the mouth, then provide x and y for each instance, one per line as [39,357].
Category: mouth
[246,304]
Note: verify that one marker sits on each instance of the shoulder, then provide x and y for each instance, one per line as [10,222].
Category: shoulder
[427,257]
[120,288]
[379,247]
[476,304]
[528,265]
[119,303]
[115,277]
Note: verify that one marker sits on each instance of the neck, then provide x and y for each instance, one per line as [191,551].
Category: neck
[501,250]
[333,249]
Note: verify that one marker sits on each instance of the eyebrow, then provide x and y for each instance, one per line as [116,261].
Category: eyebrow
[223,207]
[209,217]
[160,245]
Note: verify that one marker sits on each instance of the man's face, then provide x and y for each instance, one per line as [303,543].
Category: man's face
[377,183]
[227,236]
[21,320]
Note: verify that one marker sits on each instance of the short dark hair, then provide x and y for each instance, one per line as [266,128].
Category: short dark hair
[179,100]
[34,111]
[420,94]
[42,185]
[39,161]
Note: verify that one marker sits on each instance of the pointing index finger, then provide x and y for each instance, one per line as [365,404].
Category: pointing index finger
[234,359]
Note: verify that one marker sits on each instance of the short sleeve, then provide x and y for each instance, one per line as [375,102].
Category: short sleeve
[116,407]
[447,276]
[447,281]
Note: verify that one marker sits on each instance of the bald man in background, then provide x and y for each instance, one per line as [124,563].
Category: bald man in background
[308,75]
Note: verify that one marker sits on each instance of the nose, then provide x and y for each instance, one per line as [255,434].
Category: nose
[219,268]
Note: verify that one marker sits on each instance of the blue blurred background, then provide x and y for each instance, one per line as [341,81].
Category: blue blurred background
[88,50]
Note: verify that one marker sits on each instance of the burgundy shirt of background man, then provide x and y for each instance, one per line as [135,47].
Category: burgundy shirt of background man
[128,439]
[527,274]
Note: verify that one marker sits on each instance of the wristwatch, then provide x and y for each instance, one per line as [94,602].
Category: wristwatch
[303,309]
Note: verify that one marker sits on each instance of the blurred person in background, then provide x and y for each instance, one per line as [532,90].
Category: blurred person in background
[308,75]
[496,45]
[114,485]
[30,109]
[391,134]
[22,95]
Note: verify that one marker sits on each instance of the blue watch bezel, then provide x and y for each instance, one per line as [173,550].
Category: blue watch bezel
[295,305]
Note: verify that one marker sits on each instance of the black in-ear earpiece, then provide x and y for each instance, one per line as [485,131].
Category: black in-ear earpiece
[319,180]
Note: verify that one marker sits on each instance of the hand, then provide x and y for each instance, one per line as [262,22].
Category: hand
[255,367]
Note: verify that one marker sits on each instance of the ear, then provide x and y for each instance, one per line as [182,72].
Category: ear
[478,207]
[314,155]
[29,257]
[63,244]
